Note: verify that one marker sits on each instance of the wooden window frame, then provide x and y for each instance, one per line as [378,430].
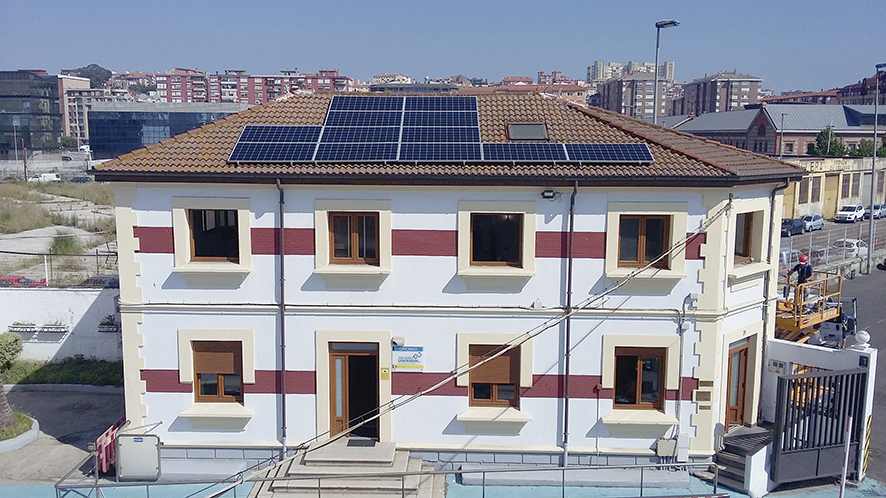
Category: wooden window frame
[354,259]
[191,213]
[641,241]
[514,264]
[744,253]
[478,352]
[233,347]
[642,353]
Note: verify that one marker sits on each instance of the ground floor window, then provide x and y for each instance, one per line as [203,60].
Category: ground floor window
[639,377]
[218,371]
[496,382]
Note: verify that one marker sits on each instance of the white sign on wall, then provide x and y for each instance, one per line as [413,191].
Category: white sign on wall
[408,358]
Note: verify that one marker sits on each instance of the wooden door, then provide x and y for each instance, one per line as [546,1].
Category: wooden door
[353,389]
[736,391]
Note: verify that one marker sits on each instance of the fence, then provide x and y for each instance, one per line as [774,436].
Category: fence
[96,268]
[834,246]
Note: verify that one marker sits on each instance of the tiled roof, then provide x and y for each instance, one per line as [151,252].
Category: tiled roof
[679,157]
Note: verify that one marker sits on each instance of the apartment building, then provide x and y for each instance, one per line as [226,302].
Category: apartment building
[720,92]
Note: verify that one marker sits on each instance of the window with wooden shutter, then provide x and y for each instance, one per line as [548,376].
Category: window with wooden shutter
[496,382]
[218,371]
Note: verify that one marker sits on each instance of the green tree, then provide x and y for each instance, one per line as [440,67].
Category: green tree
[139,88]
[98,76]
[69,142]
[827,144]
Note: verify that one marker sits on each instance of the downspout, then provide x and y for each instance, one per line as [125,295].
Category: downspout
[766,282]
[567,340]
[282,311]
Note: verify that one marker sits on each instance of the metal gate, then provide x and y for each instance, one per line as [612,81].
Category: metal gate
[810,424]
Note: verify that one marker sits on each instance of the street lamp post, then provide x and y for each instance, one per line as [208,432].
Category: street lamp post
[874,166]
[667,23]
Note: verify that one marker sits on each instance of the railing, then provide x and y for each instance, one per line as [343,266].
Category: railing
[233,485]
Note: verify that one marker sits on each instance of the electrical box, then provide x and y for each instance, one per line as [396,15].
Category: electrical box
[138,457]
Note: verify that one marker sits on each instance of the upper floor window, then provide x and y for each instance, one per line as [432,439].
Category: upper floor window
[642,239]
[761,131]
[496,239]
[354,238]
[214,235]
[744,224]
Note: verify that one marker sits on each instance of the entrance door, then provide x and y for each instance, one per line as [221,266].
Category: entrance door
[353,388]
[736,390]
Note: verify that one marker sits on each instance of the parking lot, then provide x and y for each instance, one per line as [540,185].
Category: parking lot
[823,247]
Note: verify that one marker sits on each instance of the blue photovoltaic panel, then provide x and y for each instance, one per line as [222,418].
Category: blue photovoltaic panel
[356,152]
[271,152]
[354,103]
[280,134]
[440,118]
[440,135]
[440,152]
[610,153]
[441,103]
[361,134]
[363,118]
[523,152]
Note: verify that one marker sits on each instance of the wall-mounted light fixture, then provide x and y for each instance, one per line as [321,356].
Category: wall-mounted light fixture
[549,195]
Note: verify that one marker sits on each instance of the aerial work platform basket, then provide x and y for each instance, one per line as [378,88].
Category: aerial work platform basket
[800,307]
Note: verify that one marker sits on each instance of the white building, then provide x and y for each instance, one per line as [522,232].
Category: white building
[398,272]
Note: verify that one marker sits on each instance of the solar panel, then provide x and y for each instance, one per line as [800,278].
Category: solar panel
[345,152]
[363,118]
[438,118]
[355,103]
[440,135]
[361,134]
[610,153]
[440,152]
[441,103]
[523,152]
[271,152]
[280,134]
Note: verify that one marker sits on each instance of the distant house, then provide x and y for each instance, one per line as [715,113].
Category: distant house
[290,271]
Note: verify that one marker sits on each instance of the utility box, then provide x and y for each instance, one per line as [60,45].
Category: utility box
[138,457]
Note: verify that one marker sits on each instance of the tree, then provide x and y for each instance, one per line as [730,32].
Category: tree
[139,88]
[6,416]
[827,144]
[866,149]
[69,142]
[98,76]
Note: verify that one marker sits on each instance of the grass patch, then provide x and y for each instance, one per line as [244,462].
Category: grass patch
[16,217]
[21,425]
[75,370]
[66,243]
[97,193]
[20,192]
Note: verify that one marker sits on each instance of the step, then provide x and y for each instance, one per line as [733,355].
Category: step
[263,489]
[301,468]
[728,459]
[366,484]
[340,453]
[722,481]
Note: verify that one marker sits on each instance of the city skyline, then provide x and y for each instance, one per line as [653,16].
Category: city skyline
[791,45]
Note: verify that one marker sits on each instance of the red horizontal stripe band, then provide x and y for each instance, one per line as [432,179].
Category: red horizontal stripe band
[157,240]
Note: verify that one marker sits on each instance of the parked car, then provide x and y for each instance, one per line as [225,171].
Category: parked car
[787,258]
[850,213]
[21,282]
[819,255]
[879,211]
[851,248]
[792,227]
[45,178]
[813,222]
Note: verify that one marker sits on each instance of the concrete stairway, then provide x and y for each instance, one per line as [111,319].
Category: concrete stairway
[350,468]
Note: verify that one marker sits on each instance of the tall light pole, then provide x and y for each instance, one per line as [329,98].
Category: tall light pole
[874,165]
[667,23]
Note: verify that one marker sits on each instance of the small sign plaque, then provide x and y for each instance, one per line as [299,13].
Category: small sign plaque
[409,358]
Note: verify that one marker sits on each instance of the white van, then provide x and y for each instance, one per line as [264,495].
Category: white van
[45,178]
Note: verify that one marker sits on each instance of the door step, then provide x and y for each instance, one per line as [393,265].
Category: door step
[340,453]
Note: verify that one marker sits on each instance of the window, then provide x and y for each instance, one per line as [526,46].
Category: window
[214,235]
[845,183]
[856,184]
[496,239]
[639,377]
[816,189]
[642,239]
[211,235]
[744,224]
[761,131]
[354,238]
[880,178]
[218,371]
[497,382]
[803,191]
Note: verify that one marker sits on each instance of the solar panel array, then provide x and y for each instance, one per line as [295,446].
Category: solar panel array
[410,129]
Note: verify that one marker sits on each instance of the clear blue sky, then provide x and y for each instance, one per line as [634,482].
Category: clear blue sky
[791,44]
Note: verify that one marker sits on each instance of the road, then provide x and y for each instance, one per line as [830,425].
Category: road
[870,291]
